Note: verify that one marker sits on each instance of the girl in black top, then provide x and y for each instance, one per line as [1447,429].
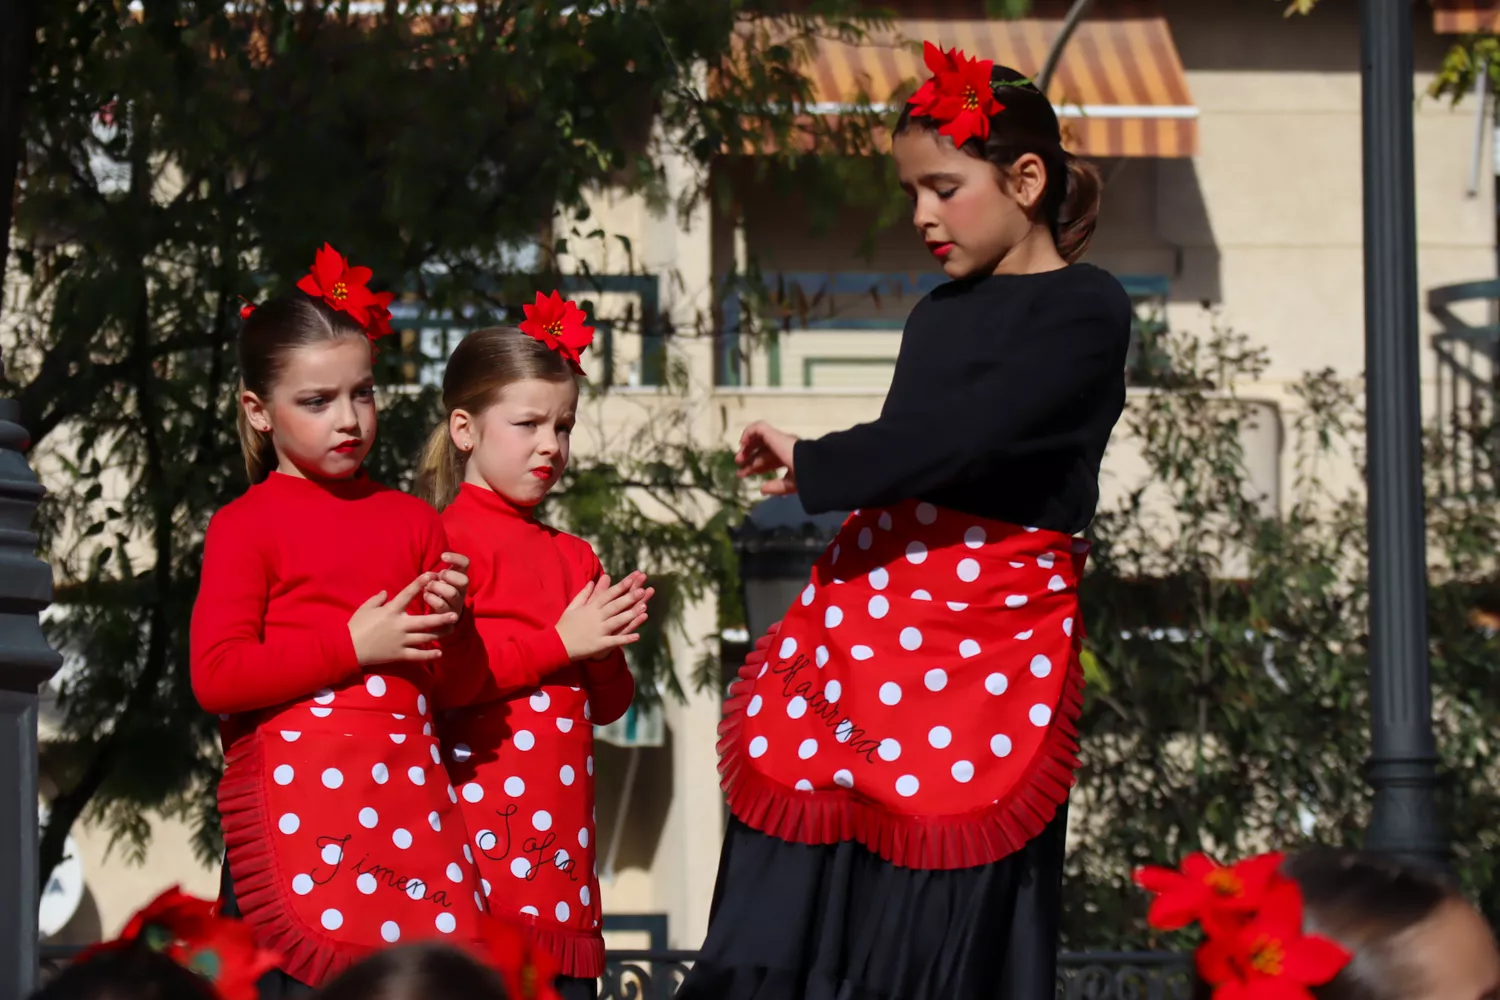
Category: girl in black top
[898,750]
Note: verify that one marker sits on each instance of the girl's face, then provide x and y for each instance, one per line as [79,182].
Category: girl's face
[973,222]
[518,445]
[321,411]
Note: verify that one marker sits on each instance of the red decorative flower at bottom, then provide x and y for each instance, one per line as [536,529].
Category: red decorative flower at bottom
[1269,958]
[558,323]
[529,973]
[1206,891]
[190,931]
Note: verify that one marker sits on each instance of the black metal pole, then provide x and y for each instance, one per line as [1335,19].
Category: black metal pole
[1402,767]
[26,663]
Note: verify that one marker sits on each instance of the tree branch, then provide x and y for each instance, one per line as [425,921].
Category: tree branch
[68,806]
[1054,56]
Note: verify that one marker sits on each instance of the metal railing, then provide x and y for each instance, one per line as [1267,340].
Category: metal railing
[655,974]
[1468,385]
[857,304]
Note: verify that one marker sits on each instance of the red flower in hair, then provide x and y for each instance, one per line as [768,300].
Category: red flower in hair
[558,323]
[346,289]
[380,315]
[190,931]
[1206,891]
[247,308]
[959,96]
[1268,957]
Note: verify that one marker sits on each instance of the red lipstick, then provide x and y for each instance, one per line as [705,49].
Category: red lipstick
[347,447]
[940,249]
[542,472]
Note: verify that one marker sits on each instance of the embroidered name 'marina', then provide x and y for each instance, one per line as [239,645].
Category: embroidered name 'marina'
[845,729]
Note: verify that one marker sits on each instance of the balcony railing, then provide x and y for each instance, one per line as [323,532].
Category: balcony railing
[1468,385]
[842,329]
[633,305]
[655,974]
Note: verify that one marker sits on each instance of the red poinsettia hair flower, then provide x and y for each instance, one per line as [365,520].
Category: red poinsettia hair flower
[380,315]
[1205,891]
[247,308]
[1269,957]
[346,289]
[191,932]
[558,323]
[959,95]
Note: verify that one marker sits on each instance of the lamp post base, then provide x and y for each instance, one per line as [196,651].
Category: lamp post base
[26,663]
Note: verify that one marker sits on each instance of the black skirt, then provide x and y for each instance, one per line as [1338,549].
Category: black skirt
[799,922]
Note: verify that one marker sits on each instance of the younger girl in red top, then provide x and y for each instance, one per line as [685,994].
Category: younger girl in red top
[521,754]
[342,830]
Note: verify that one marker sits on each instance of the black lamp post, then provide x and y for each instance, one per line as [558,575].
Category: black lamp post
[777,545]
[26,663]
[1403,759]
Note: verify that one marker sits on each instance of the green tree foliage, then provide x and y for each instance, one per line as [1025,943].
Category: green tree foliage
[1229,707]
[181,154]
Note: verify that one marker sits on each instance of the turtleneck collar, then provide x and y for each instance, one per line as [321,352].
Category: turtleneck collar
[492,501]
[355,487]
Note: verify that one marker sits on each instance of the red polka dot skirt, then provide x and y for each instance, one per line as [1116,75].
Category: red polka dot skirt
[920,696]
[524,769]
[343,832]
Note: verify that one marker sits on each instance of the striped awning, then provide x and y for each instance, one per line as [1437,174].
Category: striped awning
[1119,89]
[1464,17]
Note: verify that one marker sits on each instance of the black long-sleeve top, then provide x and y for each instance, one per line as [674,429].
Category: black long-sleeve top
[1005,393]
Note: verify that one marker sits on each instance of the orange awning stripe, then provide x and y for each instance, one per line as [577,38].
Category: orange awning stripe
[1120,88]
[1465,17]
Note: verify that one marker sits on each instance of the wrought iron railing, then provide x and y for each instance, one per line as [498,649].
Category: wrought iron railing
[655,974]
[1467,353]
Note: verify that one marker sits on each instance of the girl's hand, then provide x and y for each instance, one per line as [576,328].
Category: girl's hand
[599,618]
[446,591]
[384,633]
[637,581]
[764,449]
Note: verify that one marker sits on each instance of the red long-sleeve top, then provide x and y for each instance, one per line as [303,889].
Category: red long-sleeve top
[325,758]
[284,569]
[521,754]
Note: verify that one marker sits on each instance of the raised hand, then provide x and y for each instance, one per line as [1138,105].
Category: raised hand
[602,617]
[764,449]
[383,632]
[446,590]
[637,585]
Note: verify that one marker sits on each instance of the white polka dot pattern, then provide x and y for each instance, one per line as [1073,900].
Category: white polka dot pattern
[925,674]
[532,756]
[359,815]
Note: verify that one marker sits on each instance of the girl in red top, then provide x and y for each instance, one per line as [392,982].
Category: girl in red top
[343,833]
[521,754]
